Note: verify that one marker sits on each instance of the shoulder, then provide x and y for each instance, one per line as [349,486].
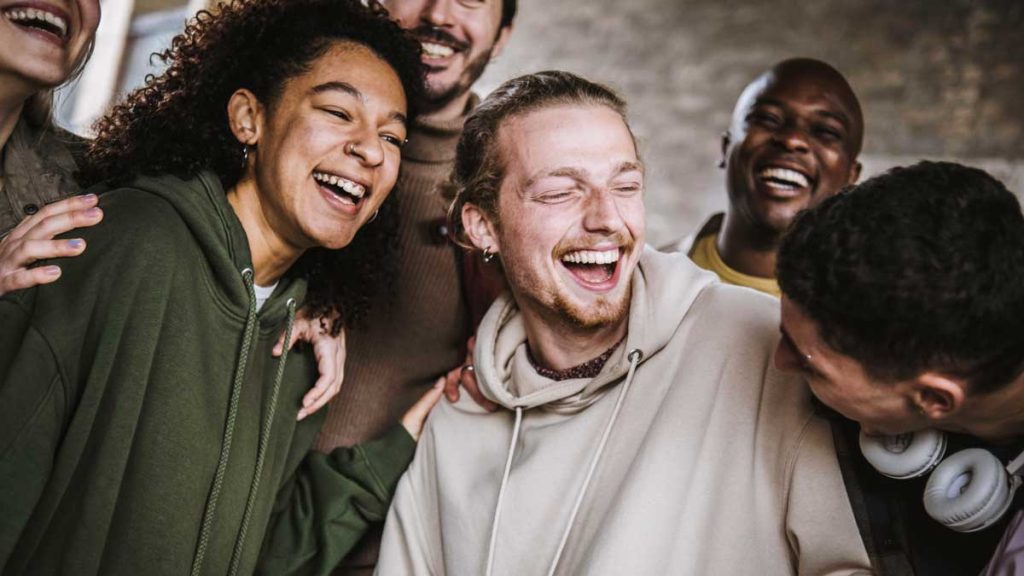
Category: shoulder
[132,214]
[686,244]
[138,231]
[743,316]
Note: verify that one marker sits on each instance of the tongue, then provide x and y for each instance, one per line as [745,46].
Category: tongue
[592,273]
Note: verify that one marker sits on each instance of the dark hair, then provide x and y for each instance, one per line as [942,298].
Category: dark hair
[479,170]
[919,269]
[177,123]
[508,12]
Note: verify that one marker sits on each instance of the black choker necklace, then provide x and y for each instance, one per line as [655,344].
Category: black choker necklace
[588,369]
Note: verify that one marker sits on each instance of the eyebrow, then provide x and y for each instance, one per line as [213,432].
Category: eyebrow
[565,172]
[339,86]
[838,116]
[581,175]
[628,166]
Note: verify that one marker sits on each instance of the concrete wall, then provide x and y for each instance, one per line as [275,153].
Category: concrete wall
[937,78]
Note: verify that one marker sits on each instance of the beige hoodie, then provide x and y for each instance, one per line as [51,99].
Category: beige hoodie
[691,456]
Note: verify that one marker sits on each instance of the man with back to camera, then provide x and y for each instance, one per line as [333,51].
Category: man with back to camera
[419,331]
[902,306]
[643,429]
[795,135]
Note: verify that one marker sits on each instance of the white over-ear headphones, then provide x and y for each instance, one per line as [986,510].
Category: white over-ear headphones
[967,492]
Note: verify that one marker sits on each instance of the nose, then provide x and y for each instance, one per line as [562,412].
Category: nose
[602,212]
[367,148]
[437,13]
[792,137]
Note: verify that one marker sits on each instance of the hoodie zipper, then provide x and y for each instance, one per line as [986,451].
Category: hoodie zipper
[635,356]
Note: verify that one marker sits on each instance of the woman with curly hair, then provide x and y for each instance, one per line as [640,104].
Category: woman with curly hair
[144,426]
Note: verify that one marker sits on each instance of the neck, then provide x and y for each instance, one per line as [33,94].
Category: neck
[13,94]
[449,110]
[745,249]
[996,417]
[557,344]
[272,255]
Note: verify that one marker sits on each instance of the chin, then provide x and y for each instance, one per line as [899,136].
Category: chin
[602,311]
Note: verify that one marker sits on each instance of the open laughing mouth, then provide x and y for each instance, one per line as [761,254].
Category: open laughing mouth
[438,45]
[596,270]
[348,192]
[784,182]
[51,24]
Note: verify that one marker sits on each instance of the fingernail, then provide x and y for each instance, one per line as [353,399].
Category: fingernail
[51,270]
[93,212]
[302,414]
[87,198]
[76,243]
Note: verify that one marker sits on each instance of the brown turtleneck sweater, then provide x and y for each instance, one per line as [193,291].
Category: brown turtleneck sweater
[418,334]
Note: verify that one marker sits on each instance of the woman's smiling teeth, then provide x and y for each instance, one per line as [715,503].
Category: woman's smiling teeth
[342,187]
[38,19]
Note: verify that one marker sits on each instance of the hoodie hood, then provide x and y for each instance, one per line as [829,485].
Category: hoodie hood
[203,205]
[506,376]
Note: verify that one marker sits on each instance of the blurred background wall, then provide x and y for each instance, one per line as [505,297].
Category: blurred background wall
[938,79]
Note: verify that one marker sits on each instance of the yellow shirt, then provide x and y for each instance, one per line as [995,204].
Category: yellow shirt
[705,254]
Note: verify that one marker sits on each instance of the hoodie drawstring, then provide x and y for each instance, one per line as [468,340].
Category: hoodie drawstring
[268,424]
[635,355]
[229,431]
[229,427]
[501,490]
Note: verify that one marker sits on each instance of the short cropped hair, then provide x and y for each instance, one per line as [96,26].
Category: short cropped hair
[479,168]
[919,269]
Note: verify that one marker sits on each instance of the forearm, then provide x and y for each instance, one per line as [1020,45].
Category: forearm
[331,501]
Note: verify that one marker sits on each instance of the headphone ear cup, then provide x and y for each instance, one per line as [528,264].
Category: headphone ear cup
[905,455]
[969,491]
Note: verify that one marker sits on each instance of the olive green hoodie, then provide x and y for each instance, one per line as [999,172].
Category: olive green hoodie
[145,427]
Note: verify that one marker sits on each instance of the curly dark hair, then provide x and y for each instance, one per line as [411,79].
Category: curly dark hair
[919,269]
[177,123]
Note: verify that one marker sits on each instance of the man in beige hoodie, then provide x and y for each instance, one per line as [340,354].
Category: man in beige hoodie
[644,430]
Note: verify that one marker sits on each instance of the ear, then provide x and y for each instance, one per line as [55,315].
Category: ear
[501,41]
[725,148]
[854,173]
[245,116]
[479,229]
[937,396]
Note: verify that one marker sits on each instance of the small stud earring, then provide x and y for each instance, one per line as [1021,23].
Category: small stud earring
[488,255]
